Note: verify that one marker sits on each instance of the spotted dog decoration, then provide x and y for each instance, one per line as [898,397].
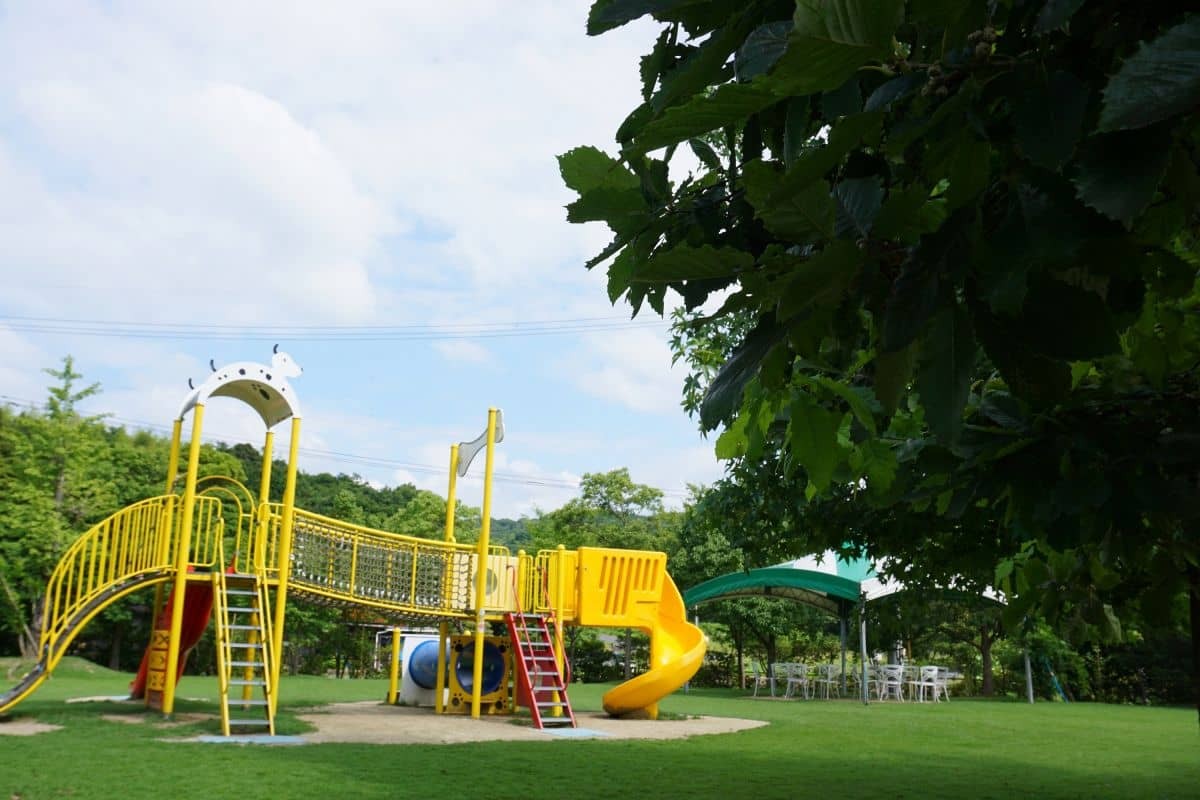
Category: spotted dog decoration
[263,387]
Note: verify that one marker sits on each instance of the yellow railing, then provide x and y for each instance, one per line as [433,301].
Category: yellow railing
[404,575]
[132,548]
[551,585]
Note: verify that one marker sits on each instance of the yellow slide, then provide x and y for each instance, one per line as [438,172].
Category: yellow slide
[631,588]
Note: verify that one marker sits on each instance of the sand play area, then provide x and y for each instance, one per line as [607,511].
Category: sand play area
[371,722]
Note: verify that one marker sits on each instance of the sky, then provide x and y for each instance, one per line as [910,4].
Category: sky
[371,185]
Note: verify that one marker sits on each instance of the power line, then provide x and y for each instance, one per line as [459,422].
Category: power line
[328,333]
[512,478]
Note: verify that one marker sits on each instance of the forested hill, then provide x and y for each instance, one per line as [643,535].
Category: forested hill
[61,473]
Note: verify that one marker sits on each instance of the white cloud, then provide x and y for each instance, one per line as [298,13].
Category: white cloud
[633,368]
[463,350]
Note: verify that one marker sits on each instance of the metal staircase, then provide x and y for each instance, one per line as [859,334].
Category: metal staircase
[243,654]
[538,675]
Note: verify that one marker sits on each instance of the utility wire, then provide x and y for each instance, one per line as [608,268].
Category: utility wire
[329,333]
[350,458]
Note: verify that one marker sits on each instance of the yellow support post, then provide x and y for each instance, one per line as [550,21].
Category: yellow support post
[394,673]
[481,573]
[439,686]
[181,561]
[560,591]
[166,520]
[285,560]
[259,554]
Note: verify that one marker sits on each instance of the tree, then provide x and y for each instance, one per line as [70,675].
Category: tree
[963,240]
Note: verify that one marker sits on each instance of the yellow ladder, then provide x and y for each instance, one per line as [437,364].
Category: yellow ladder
[244,654]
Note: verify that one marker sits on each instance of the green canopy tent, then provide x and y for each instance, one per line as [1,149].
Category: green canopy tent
[827,582]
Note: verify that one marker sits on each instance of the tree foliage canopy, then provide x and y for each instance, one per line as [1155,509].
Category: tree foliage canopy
[955,246]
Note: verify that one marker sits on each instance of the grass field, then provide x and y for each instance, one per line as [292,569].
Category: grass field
[967,748]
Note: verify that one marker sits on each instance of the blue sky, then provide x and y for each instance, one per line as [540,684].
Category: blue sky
[201,180]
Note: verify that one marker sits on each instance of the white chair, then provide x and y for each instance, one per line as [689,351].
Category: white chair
[941,683]
[829,680]
[891,682]
[926,681]
[760,678]
[797,678]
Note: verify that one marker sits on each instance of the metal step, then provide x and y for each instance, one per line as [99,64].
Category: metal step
[244,682]
[242,628]
[261,723]
[246,703]
[240,592]
[233,610]
[247,645]
[245,663]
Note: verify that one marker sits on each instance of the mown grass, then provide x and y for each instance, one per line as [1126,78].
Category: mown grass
[961,749]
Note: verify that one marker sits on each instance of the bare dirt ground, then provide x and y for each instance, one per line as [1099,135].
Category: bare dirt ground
[371,722]
[374,723]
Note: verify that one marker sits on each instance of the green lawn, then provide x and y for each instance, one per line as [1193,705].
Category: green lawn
[961,749]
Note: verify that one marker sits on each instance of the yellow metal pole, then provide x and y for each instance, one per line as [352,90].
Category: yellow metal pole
[444,627]
[394,673]
[259,549]
[165,520]
[285,558]
[485,529]
[560,591]
[173,458]
[181,561]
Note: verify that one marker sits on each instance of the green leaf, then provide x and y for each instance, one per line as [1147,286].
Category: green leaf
[796,133]
[913,299]
[684,262]
[1031,376]
[761,50]
[706,65]
[608,14]
[892,373]
[812,435]
[619,274]
[1159,81]
[622,209]
[733,442]
[888,93]
[969,169]
[804,216]
[843,101]
[860,399]
[877,461]
[947,361]
[724,394]
[586,168]
[1068,322]
[818,280]
[908,213]
[708,157]
[831,39]
[729,104]
[1055,14]
[1118,173]
[844,136]
[858,202]
[1048,118]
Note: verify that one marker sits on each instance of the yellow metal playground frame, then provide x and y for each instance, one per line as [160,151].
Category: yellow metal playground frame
[178,537]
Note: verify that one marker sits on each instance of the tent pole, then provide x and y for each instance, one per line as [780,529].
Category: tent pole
[842,625]
[862,641]
[1028,679]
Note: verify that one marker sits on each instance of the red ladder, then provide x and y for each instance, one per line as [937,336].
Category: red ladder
[537,671]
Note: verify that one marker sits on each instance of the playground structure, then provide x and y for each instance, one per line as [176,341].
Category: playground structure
[215,544]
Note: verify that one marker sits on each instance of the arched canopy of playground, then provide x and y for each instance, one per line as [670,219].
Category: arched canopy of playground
[834,585]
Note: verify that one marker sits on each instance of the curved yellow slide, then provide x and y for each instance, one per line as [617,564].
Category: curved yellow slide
[676,653]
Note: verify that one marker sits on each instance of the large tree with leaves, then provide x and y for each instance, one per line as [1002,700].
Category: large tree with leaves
[961,238]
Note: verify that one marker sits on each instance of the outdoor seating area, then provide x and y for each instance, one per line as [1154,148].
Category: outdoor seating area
[900,682]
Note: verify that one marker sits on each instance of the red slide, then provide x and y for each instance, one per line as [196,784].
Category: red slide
[197,609]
